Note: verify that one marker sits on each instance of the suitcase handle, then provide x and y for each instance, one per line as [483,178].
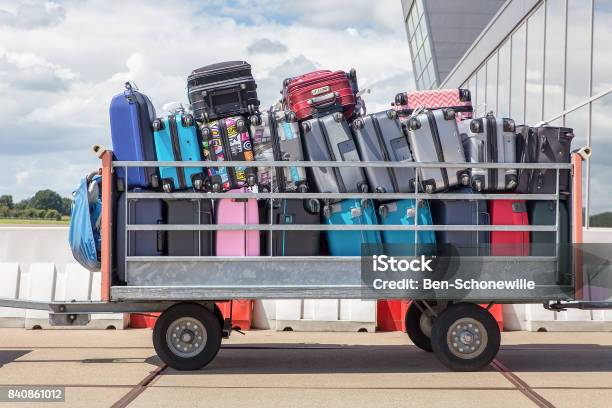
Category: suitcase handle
[161,242]
[323,101]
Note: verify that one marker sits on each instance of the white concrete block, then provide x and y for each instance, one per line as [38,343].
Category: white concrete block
[358,310]
[104,320]
[9,289]
[514,317]
[264,314]
[289,309]
[308,309]
[326,310]
[78,282]
[40,286]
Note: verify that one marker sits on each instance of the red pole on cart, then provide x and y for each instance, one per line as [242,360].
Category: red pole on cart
[106,231]
[577,219]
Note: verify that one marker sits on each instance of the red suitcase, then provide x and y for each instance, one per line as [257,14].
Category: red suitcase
[509,243]
[323,89]
[459,100]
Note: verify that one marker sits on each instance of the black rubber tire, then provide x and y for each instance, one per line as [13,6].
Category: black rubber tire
[447,319]
[413,328]
[213,332]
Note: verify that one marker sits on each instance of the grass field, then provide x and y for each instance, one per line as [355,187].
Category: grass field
[33,221]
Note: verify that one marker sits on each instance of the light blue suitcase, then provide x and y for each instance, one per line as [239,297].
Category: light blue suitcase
[350,212]
[176,139]
[402,212]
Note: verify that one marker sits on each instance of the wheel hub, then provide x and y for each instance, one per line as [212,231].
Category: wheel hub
[186,337]
[467,338]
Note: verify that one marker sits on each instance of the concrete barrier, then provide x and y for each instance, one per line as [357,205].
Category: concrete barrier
[36,264]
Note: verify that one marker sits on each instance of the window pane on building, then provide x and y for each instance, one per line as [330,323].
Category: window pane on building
[578,52]
[535,65]
[492,84]
[517,80]
[600,199]
[555,58]
[481,90]
[602,46]
[503,81]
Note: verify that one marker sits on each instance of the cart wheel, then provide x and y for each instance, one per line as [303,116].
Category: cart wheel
[465,337]
[187,336]
[418,327]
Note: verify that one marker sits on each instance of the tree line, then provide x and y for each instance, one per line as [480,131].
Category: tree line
[45,204]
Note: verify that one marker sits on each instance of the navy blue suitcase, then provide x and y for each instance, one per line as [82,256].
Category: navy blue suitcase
[139,243]
[131,116]
[463,212]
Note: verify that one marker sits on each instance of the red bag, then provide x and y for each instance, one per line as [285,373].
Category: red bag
[321,90]
[509,243]
[459,100]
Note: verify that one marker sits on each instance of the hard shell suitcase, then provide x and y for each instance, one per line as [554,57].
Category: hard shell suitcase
[228,139]
[321,90]
[379,137]
[350,212]
[131,115]
[190,212]
[235,211]
[463,212]
[490,140]
[509,243]
[434,137]
[176,139]
[403,212]
[222,89]
[329,138]
[459,100]
[545,144]
[291,243]
[276,136]
[139,243]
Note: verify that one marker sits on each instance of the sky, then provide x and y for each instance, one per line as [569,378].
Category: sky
[62,61]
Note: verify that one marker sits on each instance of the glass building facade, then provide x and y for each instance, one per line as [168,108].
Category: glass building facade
[420,46]
[555,65]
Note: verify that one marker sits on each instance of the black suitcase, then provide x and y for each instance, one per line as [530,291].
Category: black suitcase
[379,137]
[222,89]
[329,138]
[140,243]
[545,144]
[190,212]
[463,212]
[292,243]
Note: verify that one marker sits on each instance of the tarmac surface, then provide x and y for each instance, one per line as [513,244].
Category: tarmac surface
[291,369]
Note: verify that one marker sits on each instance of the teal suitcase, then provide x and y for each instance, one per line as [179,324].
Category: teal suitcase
[403,212]
[350,212]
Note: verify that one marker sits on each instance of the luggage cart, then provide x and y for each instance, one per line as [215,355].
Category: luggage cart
[188,333]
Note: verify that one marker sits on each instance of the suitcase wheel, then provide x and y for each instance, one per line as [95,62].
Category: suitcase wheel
[476,126]
[256,120]
[306,127]
[290,116]
[241,126]
[383,210]
[414,124]
[380,189]
[326,211]
[216,187]
[449,114]
[363,187]
[477,185]
[509,125]
[465,179]
[353,74]
[286,82]
[338,117]
[251,180]
[206,132]
[155,181]
[168,186]
[158,125]
[302,188]
[313,206]
[391,114]
[400,99]
[358,124]
[187,120]
[511,182]
[429,188]
[197,181]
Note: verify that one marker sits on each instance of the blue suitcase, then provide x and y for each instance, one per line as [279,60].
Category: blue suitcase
[350,212]
[176,139]
[463,212]
[402,212]
[131,115]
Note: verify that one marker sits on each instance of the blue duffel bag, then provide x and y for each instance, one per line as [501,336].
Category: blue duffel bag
[86,214]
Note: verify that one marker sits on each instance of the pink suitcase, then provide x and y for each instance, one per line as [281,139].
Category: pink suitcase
[457,99]
[234,211]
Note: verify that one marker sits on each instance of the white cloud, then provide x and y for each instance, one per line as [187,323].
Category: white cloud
[32,14]
[56,81]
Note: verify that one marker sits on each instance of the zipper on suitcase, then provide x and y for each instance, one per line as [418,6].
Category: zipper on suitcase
[492,149]
[176,150]
[437,145]
[230,171]
[385,153]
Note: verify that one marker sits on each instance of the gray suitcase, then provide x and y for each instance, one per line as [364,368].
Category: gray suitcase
[490,140]
[329,138]
[379,137]
[189,212]
[434,138]
[276,136]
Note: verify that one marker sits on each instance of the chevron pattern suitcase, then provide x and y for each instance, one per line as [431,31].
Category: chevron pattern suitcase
[459,100]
